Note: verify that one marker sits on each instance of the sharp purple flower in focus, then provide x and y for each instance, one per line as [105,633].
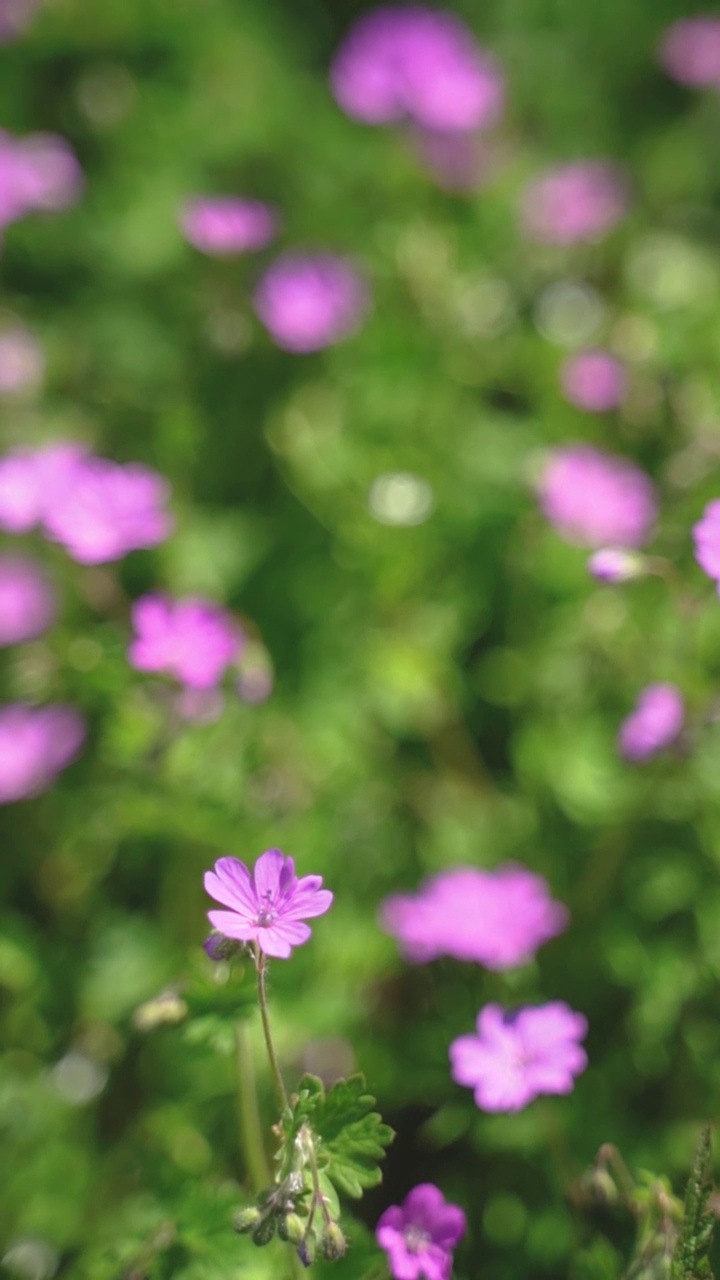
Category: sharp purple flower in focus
[494,918]
[267,906]
[516,1056]
[419,1235]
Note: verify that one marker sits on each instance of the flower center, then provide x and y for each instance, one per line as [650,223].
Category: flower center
[416,1239]
[265,917]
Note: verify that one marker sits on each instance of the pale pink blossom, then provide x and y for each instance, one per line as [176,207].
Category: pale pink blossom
[35,744]
[226,225]
[191,639]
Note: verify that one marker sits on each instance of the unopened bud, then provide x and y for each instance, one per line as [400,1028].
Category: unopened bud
[613,564]
[218,947]
[246,1219]
[308,1249]
[333,1244]
[265,1229]
[292,1228]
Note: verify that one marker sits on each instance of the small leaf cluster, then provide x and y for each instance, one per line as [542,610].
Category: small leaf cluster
[331,1141]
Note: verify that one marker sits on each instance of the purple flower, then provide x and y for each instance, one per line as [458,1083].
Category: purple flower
[308,302]
[419,63]
[515,1057]
[706,535]
[108,510]
[38,172]
[494,918]
[225,225]
[193,640]
[575,202]
[655,722]
[459,162]
[35,744]
[268,905]
[22,363]
[15,16]
[690,51]
[420,1234]
[594,381]
[596,499]
[29,481]
[612,564]
[27,601]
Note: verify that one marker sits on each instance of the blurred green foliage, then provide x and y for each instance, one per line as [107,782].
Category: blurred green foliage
[447,692]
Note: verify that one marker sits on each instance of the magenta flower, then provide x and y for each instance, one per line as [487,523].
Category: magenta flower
[575,202]
[596,499]
[30,479]
[22,363]
[594,381]
[690,51]
[515,1057]
[193,640]
[654,724]
[410,61]
[225,225]
[308,302]
[612,564]
[420,1234]
[108,510]
[35,744]
[27,601]
[494,918]
[37,173]
[15,16]
[706,535]
[268,905]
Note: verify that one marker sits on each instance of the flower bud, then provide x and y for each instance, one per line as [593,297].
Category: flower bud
[265,1229]
[613,564]
[308,1249]
[333,1244]
[218,947]
[246,1219]
[292,1228]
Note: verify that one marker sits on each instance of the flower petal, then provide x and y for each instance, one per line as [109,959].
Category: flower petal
[279,938]
[266,875]
[305,906]
[232,926]
[230,884]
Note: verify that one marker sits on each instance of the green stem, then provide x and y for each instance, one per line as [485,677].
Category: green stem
[261,966]
[251,1133]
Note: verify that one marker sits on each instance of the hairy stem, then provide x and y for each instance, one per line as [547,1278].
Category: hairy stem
[261,966]
[251,1133]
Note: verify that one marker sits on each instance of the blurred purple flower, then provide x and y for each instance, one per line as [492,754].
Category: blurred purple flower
[35,744]
[420,1234]
[15,16]
[29,480]
[516,1056]
[268,905]
[225,225]
[191,639]
[575,202]
[27,601]
[690,51]
[613,564]
[38,172]
[593,380]
[200,706]
[706,535]
[410,61]
[22,363]
[494,918]
[311,301]
[596,499]
[107,510]
[654,724]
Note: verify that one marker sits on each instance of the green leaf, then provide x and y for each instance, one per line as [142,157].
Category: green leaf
[349,1136]
[692,1255]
